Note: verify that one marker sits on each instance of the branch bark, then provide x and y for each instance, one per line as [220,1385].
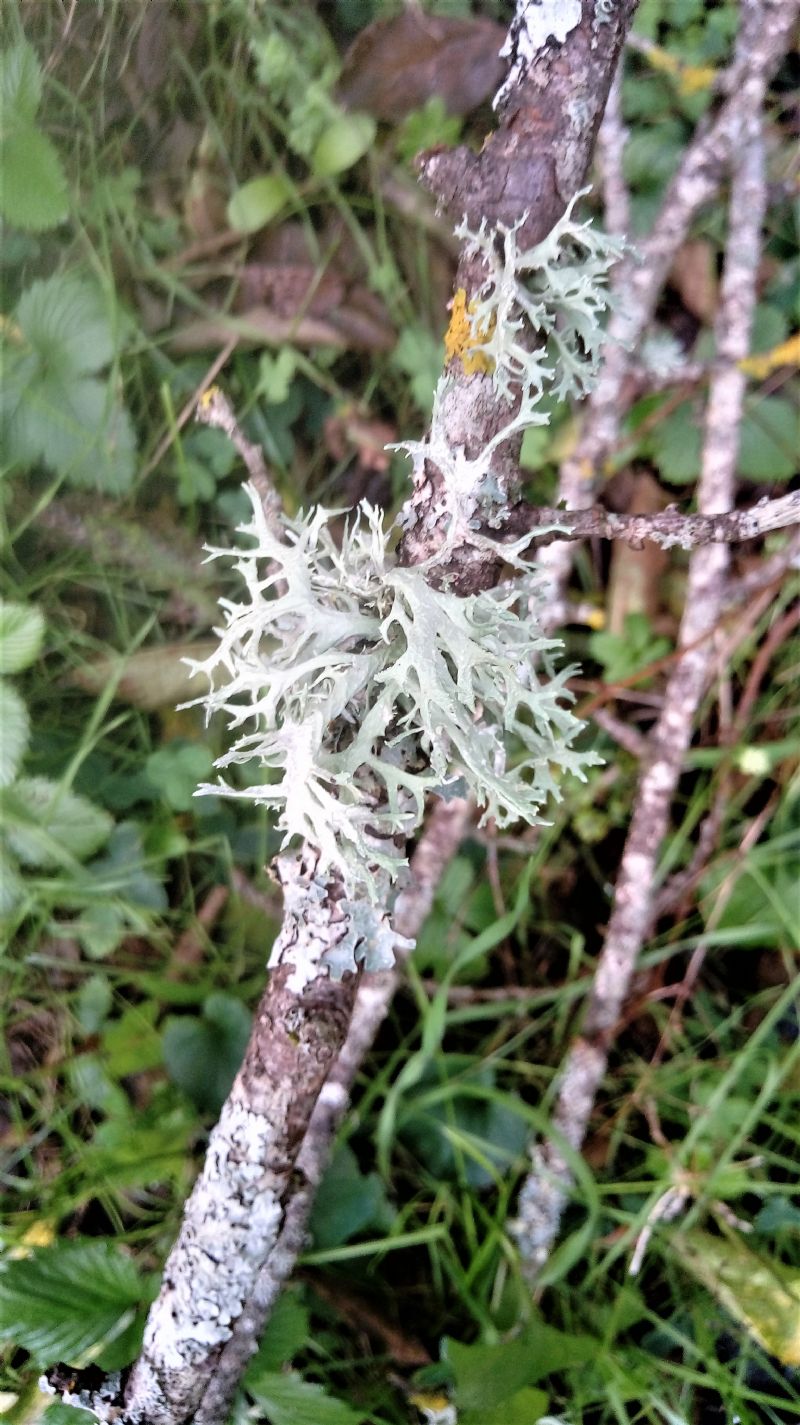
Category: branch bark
[666,529]
[547,1186]
[437,846]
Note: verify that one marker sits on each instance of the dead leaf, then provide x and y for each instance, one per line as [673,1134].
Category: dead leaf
[763,1295]
[694,278]
[152,678]
[394,66]
[635,579]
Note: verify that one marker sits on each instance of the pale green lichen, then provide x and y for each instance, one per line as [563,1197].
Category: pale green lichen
[354,688]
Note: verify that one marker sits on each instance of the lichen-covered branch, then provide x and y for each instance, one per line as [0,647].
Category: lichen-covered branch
[563,56]
[547,1186]
[764,35]
[667,529]
[437,846]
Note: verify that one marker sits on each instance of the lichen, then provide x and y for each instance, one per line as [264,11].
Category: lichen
[354,688]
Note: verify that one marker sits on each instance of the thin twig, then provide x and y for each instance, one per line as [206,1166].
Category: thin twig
[666,528]
[611,140]
[547,1186]
[214,409]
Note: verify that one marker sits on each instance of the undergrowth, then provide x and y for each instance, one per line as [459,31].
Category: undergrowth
[137,918]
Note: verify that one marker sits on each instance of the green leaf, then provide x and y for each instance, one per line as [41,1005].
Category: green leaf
[286,1333]
[78,430]
[65,1302]
[342,144]
[176,770]
[427,128]
[488,1377]
[256,203]
[347,1202]
[290,1400]
[21,635]
[49,826]
[12,886]
[20,84]
[131,1044]
[123,870]
[14,730]
[202,1054]
[524,1408]
[33,186]
[769,441]
[93,1003]
[675,445]
[67,322]
[419,356]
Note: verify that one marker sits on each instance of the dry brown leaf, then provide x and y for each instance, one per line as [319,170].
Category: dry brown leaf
[394,66]
[152,677]
[635,579]
[694,278]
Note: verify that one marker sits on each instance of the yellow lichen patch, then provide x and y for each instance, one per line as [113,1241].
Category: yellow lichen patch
[689,78]
[762,366]
[462,342]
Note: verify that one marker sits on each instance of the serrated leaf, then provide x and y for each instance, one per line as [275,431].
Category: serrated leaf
[47,826]
[76,429]
[290,1400]
[21,634]
[202,1054]
[20,84]
[33,186]
[66,321]
[12,885]
[66,1301]
[14,729]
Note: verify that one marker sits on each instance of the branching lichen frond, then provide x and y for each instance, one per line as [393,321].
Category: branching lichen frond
[354,688]
[536,325]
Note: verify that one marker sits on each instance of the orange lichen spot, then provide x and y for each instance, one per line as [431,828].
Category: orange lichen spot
[462,342]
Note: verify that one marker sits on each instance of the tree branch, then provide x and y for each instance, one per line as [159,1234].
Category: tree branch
[666,529]
[547,1186]
[764,36]
[437,846]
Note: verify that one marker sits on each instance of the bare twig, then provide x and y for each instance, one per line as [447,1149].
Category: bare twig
[611,140]
[436,848]
[214,409]
[548,1183]
[766,26]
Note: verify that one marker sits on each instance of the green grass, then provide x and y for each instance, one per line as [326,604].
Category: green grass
[98,1138]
